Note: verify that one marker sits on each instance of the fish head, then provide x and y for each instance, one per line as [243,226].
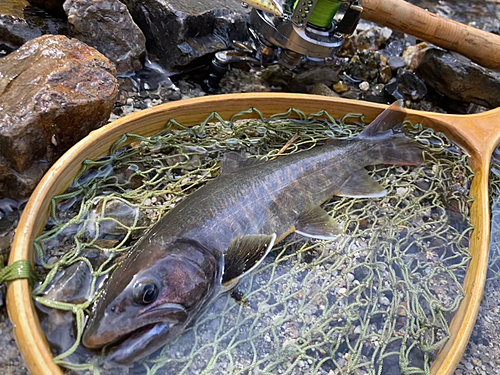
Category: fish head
[147,303]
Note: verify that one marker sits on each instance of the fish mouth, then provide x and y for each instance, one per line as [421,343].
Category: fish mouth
[138,344]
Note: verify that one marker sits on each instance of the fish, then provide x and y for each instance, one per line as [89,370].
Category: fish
[221,232]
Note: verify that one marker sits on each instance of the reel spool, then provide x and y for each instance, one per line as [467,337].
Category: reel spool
[304,28]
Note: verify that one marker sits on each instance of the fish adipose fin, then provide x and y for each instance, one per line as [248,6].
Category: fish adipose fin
[244,255]
[361,185]
[233,161]
[316,223]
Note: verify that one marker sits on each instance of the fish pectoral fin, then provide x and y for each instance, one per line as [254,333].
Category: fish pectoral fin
[233,161]
[361,185]
[316,223]
[244,255]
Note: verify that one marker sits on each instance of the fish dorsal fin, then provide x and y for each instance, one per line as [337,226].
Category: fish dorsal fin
[244,255]
[233,161]
[392,116]
[316,223]
[361,185]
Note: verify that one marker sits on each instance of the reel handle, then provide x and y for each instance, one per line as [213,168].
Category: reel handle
[480,46]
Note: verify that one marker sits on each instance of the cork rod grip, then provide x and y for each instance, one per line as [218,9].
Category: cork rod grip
[480,46]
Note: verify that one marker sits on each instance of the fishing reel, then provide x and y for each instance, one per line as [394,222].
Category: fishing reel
[286,33]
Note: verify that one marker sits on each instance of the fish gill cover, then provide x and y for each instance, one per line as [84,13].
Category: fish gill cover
[377,299]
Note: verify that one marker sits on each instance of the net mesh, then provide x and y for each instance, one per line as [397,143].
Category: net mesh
[376,300]
[494,257]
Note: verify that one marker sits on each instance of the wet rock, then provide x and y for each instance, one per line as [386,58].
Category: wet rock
[340,87]
[71,285]
[364,65]
[459,78]
[413,55]
[194,29]
[303,81]
[21,22]
[406,85]
[411,85]
[396,62]
[107,26]
[53,92]
[54,7]
[385,73]
[58,327]
[372,37]
[322,89]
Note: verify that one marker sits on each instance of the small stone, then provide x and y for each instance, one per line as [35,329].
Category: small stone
[364,86]
[413,55]
[396,62]
[357,330]
[340,87]
[378,89]
[469,366]
[383,300]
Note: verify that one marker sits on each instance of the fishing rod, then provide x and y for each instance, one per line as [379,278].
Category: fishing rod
[288,31]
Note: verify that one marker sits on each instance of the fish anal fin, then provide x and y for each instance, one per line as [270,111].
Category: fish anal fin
[361,185]
[233,161]
[390,117]
[316,223]
[244,255]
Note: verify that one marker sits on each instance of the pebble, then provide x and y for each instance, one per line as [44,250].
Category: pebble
[396,62]
[469,366]
[340,87]
[364,86]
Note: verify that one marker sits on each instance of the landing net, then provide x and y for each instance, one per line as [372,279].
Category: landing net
[377,300]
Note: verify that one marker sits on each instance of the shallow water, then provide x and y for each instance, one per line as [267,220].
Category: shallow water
[361,302]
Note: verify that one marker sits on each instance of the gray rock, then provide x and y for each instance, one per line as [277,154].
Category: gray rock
[21,22]
[107,26]
[53,91]
[364,65]
[459,78]
[179,31]
[303,81]
[396,62]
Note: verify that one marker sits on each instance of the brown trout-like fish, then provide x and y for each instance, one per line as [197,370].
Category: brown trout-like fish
[221,232]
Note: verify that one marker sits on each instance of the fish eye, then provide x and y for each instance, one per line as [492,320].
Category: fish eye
[145,292]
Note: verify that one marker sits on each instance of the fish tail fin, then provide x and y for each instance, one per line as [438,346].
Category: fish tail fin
[389,148]
[396,150]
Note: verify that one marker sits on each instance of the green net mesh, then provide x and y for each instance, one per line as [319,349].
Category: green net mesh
[377,300]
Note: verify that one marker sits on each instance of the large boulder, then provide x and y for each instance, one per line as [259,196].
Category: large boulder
[107,26]
[179,31]
[458,78]
[53,91]
[21,22]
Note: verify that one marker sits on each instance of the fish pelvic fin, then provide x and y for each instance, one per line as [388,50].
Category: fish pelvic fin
[243,256]
[361,185]
[316,223]
[390,117]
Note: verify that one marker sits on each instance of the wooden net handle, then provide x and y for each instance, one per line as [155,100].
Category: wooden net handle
[480,46]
